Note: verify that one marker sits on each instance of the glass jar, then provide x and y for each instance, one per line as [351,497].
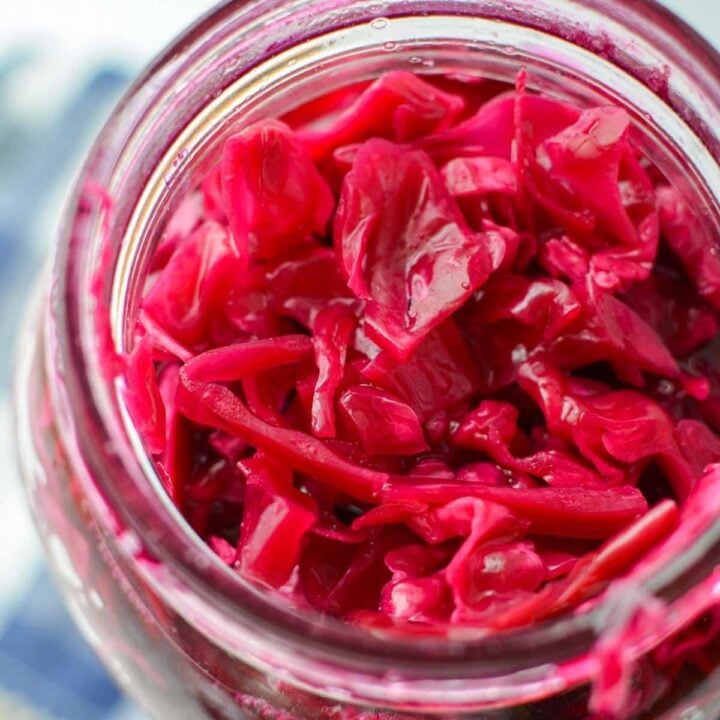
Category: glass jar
[182,634]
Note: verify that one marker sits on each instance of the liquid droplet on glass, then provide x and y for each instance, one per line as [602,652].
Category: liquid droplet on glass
[379,24]
[178,160]
[390,46]
[415,60]
[181,157]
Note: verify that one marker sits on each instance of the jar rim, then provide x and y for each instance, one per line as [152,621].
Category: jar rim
[97,427]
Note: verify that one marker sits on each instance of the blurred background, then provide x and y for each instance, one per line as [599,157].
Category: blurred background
[63,64]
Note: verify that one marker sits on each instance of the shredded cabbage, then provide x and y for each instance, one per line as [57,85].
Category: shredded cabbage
[429,353]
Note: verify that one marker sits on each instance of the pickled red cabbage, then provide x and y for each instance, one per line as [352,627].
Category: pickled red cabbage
[423,356]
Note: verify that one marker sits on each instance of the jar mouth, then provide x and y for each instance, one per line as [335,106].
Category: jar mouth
[226,70]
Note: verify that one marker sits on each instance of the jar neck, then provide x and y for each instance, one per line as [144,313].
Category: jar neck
[247,60]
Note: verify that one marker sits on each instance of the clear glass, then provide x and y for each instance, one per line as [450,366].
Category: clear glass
[186,637]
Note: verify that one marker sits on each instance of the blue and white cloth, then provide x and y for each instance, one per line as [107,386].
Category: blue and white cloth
[62,66]
[46,669]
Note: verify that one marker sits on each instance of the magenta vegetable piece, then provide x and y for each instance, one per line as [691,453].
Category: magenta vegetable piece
[431,467]
[275,520]
[491,132]
[573,171]
[323,563]
[436,426]
[223,549]
[333,328]
[520,248]
[213,495]
[234,362]
[498,349]
[702,362]
[270,395]
[558,560]
[274,196]
[143,398]
[212,195]
[484,473]
[491,424]
[330,527]
[416,561]
[699,445]
[495,568]
[612,331]
[613,430]
[596,571]
[466,177]
[620,552]
[425,600]
[676,313]
[587,179]
[190,293]
[390,513]
[250,311]
[558,469]
[492,428]
[231,448]
[618,267]
[304,284]
[548,306]
[383,424]
[465,517]
[690,241]
[176,457]
[165,347]
[362,581]
[398,106]
[404,246]
[488,133]
[438,375]
[182,223]
[216,406]
[563,512]
[597,138]
[564,258]
[473,572]
[321,112]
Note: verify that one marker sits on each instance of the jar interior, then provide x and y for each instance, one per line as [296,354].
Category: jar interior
[435,44]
